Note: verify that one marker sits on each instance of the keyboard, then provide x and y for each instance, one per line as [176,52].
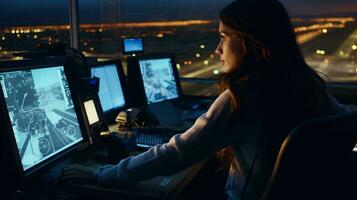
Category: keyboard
[150,136]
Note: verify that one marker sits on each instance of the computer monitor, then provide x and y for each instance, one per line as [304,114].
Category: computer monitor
[111,88]
[154,82]
[41,119]
[132,45]
[159,78]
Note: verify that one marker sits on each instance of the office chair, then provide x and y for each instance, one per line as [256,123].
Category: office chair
[314,161]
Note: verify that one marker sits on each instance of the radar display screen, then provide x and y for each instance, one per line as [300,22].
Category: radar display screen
[159,80]
[41,110]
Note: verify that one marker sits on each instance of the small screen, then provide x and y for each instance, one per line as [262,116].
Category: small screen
[42,113]
[110,89]
[132,45]
[159,80]
[91,112]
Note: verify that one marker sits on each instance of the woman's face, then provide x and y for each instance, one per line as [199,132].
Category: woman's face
[230,48]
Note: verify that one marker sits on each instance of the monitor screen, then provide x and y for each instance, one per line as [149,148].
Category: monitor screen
[91,112]
[133,45]
[159,79]
[41,111]
[110,93]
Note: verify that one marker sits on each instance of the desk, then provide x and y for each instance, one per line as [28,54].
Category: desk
[161,187]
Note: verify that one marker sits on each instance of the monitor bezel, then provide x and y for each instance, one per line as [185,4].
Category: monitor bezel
[135,77]
[132,52]
[110,115]
[8,66]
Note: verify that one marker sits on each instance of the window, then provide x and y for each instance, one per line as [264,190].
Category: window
[32,25]
[186,28]
[327,34]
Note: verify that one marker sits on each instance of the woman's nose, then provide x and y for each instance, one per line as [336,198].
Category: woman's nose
[218,50]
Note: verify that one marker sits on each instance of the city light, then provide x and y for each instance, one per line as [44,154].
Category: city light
[211,56]
[354,47]
[206,62]
[178,66]
[324,30]
[216,72]
[3,38]
[198,55]
[320,52]
[202,46]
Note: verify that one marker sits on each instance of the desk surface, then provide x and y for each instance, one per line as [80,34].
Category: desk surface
[161,187]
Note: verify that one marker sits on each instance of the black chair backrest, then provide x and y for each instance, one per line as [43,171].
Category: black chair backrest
[314,160]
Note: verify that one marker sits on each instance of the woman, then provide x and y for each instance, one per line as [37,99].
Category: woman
[266,89]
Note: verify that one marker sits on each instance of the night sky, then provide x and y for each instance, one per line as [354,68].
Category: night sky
[32,12]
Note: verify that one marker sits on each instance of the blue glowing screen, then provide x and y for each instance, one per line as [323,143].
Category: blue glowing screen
[42,113]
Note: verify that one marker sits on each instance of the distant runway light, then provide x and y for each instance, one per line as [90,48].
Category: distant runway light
[202,46]
[320,52]
[216,71]
[354,47]
[324,30]
[198,55]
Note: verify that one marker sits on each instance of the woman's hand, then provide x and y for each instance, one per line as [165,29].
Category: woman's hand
[78,174]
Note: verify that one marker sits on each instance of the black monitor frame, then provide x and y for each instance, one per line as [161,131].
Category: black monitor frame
[111,114]
[8,137]
[132,52]
[136,83]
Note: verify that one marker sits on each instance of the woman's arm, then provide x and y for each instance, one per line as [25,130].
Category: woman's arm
[203,138]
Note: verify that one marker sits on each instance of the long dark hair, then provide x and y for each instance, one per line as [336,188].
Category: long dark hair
[272,55]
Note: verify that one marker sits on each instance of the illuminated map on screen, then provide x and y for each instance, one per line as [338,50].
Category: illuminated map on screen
[41,111]
[159,80]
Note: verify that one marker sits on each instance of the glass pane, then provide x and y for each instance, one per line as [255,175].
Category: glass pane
[186,28]
[326,31]
[32,25]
